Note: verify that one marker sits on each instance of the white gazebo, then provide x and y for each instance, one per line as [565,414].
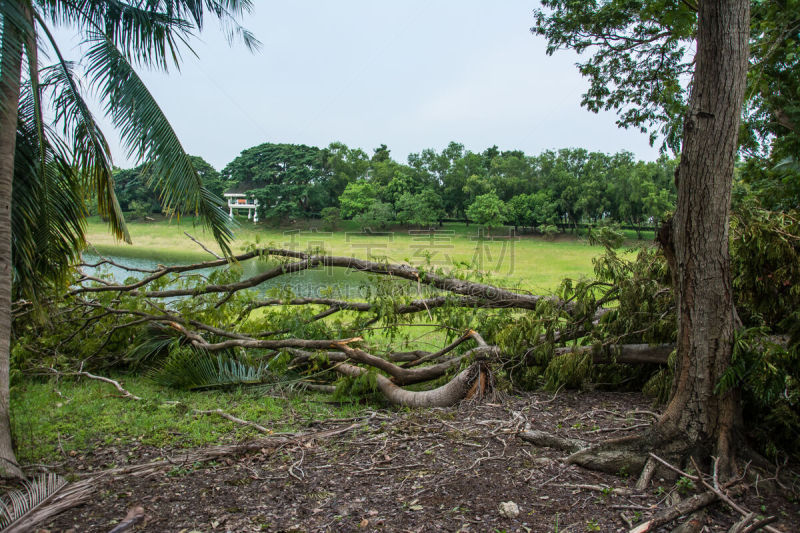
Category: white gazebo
[242,201]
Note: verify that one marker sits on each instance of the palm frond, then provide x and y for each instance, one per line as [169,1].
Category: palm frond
[18,503]
[150,137]
[192,369]
[788,164]
[48,214]
[151,343]
[149,35]
[90,151]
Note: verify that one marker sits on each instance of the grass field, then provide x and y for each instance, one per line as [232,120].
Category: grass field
[530,262]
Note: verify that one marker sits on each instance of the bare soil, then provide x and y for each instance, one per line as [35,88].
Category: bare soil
[400,470]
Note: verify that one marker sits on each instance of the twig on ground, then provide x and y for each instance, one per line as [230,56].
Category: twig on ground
[117,385]
[233,419]
[714,487]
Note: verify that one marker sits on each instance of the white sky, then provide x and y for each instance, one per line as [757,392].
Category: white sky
[414,74]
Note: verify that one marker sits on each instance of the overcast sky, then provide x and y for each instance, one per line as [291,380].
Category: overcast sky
[412,75]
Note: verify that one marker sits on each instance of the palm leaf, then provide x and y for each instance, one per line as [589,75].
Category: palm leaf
[148,35]
[788,164]
[18,503]
[191,369]
[90,152]
[150,137]
[47,217]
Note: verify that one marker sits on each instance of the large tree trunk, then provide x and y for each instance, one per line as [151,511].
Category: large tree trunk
[698,420]
[702,273]
[10,69]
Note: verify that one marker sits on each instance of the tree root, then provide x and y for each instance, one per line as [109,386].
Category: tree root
[626,454]
[548,440]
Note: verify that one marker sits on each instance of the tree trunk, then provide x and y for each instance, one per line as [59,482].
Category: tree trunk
[699,421]
[10,69]
[696,412]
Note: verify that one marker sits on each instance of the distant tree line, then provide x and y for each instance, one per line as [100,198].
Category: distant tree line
[561,188]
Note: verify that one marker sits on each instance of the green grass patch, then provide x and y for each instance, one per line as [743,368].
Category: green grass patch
[50,418]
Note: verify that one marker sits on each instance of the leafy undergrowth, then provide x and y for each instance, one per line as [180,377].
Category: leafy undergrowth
[52,418]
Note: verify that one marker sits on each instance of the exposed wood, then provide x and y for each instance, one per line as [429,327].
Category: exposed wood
[549,440]
[449,394]
[117,385]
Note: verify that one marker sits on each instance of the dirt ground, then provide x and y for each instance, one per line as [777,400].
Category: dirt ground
[406,470]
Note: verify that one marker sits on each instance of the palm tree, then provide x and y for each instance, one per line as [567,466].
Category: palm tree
[49,169]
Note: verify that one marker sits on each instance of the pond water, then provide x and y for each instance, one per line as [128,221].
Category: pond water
[319,282]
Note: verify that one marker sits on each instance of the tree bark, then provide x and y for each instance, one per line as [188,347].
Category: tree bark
[699,421]
[696,412]
[473,382]
[10,70]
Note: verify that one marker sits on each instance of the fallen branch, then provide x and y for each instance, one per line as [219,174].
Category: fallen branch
[715,488]
[598,488]
[623,353]
[499,298]
[233,419]
[203,246]
[125,393]
[684,507]
[473,382]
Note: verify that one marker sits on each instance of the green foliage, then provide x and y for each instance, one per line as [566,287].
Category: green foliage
[640,53]
[365,385]
[356,198]
[288,180]
[331,218]
[607,236]
[139,210]
[423,209]
[378,215]
[765,251]
[487,210]
[684,485]
[767,371]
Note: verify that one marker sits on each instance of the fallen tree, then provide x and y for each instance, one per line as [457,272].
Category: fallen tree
[451,333]
[197,316]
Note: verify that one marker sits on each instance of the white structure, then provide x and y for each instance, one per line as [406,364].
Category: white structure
[241,201]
